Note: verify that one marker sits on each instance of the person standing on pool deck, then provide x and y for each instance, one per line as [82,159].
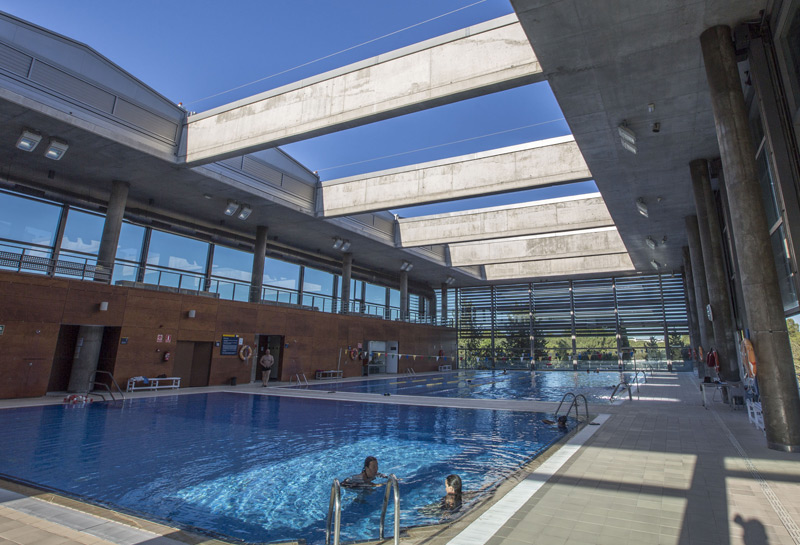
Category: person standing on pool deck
[266,362]
[367,475]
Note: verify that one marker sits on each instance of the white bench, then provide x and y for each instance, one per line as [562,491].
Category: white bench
[168,383]
[754,414]
[322,375]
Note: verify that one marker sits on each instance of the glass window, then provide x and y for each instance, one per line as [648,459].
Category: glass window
[780,250]
[83,232]
[129,247]
[767,182]
[177,252]
[315,281]
[28,221]
[281,274]
[376,295]
[234,264]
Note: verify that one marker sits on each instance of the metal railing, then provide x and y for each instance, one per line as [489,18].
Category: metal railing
[391,484]
[574,403]
[300,378]
[20,259]
[624,385]
[334,514]
[95,383]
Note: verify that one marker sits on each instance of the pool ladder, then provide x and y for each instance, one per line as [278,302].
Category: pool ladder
[335,511]
[93,384]
[410,371]
[301,379]
[574,403]
[622,385]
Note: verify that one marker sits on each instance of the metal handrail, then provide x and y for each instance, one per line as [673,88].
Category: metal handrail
[410,371]
[299,382]
[113,380]
[391,484]
[616,388]
[335,512]
[575,404]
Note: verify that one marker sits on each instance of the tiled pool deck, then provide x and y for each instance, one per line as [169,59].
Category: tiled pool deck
[659,470]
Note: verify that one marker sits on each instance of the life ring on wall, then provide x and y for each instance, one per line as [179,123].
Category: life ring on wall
[245,352]
[700,356]
[353,353]
[748,353]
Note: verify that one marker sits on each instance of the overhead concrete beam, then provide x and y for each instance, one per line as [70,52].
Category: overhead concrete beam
[571,266]
[531,218]
[587,243]
[535,164]
[475,61]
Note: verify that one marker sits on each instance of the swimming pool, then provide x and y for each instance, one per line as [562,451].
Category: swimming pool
[541,386]
[259,468]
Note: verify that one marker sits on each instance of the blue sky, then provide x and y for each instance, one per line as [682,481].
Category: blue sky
[192,50]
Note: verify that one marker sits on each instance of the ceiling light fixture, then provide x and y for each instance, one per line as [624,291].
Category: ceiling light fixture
[627,137]
[449,280]
[28,140]
[654,264]
[650,242]
[245,212]
[232,208]
[406,266]
[641,206]
[337,243]
[56,149]
[345,246]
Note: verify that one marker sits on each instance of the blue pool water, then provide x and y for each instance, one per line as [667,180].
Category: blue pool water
[541,386]
[259,468]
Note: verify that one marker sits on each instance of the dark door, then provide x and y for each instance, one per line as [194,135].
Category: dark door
[201,364]
[275,345]
[182,366]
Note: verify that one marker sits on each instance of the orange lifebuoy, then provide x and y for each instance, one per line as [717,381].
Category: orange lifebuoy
[245,352]
[748,353]
[700,354]
[353,353]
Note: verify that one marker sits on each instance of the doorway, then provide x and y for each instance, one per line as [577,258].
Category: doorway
[275,345]
[192,363]
[64,357]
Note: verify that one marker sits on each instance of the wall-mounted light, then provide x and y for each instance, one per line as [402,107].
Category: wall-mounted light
[28,140]
[406,266]
[449,280]
[345,245]
[232,208]
[337,243]
[627,137]
[104,306]
[56,149]
[641,206]
[191,314]
[654,264]
[650,242]
[244,212]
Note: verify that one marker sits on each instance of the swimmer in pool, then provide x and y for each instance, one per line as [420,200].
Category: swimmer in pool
[367,475]
[452,497]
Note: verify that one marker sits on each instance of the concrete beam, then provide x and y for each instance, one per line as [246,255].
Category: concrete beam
[600,264]
[531,218]
[587,243]
[475,61]
[535,164]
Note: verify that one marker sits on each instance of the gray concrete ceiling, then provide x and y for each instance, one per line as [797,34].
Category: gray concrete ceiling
[606,60]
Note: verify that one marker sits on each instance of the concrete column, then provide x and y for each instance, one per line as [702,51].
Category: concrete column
[691,305]
[347,271]
[87,354]
[432,304]
[111,228]
[444,304]
[259,254]
[700,289]
[716,281]
[404,295]
[776,375]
